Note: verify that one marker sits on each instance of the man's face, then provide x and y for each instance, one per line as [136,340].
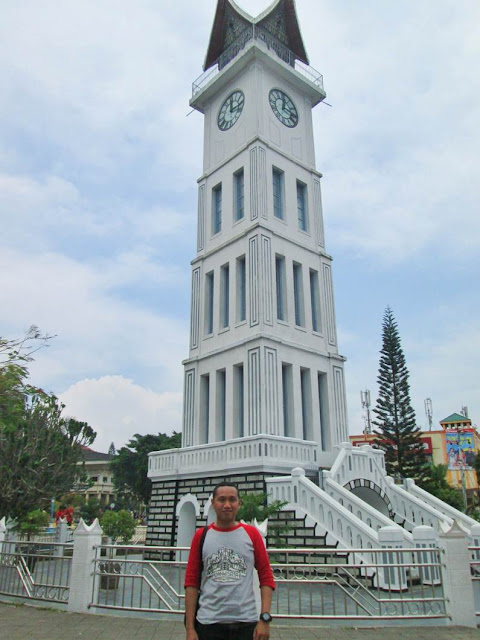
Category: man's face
[226,504]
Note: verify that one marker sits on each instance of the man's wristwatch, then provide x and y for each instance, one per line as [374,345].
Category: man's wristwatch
[265,617]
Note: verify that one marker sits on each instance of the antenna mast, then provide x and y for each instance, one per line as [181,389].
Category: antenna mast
[365,400]
[429,412]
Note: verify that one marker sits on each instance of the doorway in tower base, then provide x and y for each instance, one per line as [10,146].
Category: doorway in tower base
[373,495]
[187,511]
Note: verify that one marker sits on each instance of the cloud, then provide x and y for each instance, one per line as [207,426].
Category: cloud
[117,408]
[97,330]
[98,163]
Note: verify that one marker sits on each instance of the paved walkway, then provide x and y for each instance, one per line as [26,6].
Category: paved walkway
[24,622]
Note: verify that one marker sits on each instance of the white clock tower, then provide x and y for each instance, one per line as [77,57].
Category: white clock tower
[264,383]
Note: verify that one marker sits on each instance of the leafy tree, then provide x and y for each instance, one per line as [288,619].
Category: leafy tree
[39,449]
[255,506]
[118,525]
[90,509]
[33,522]
[437,484]
[130,466]
[397,433]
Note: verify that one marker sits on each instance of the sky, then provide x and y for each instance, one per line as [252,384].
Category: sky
[99,157]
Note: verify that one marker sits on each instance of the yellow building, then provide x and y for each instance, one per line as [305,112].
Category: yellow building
[455,444]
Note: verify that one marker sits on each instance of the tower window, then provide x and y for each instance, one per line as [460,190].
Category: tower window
[238,402]
[217,209]
[204,407]
[287,394]
[315,300]
[306,392]
[241,290]
[278,193]
[225,296]
[221,405]
[322,401]
[302,206]
[298,295]
[281,288]
[209,283]
[238,195]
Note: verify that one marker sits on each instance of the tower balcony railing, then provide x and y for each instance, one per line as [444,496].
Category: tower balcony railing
[258,34]
[240,452]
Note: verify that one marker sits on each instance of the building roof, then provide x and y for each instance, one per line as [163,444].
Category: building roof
[279,19]
[456,417]
[89,455]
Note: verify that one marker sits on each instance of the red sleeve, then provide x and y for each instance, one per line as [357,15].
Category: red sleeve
[262,562]
[192,573]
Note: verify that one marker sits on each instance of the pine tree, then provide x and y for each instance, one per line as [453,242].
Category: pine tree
[397,433]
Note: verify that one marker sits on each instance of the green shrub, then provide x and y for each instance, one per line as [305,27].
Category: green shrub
[118,525]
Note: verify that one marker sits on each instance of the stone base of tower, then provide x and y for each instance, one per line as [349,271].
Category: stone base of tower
[183,479]
[179,506]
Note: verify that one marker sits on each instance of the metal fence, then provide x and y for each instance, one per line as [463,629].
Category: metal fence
[36,570]
[475,571]
[311,583]
[258,34]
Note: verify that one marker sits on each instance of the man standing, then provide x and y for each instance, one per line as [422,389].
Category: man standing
[223,575]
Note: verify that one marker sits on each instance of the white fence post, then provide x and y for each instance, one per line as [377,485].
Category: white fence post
[475,537]
[3,529]
[296,474]
[457,580]
[475,555]
[85,539]
[428,562]
[62,532]
[393,578]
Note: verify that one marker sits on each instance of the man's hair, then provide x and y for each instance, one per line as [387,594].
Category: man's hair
[225,484]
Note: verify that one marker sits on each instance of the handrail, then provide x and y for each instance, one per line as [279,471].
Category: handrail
[258,34]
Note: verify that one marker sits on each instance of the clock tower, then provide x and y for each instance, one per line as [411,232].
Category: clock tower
[264,383]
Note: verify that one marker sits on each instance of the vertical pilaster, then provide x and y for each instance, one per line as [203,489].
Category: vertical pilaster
[318,213]
[201,218]
[329,305]
[254,393]
[253,281]
[258,183]
[340,407]
[267,281]
[272,404]
[188,408]
[195,309]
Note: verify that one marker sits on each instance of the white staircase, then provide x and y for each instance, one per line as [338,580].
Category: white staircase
[350,521]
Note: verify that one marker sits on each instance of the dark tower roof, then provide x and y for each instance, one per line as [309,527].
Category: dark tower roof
[279,20]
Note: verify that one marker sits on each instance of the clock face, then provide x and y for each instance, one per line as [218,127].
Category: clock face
[230,110]
[283,108]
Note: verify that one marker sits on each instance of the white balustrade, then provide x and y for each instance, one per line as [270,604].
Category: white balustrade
[241,453]
[322,508]
[362,510]
[450,513]
[392,574]
[427,561]
[416,512]
[413,506]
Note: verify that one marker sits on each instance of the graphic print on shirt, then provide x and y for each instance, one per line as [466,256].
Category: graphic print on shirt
[226,566]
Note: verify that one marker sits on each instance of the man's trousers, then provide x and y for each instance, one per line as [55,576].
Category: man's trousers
[218,631]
